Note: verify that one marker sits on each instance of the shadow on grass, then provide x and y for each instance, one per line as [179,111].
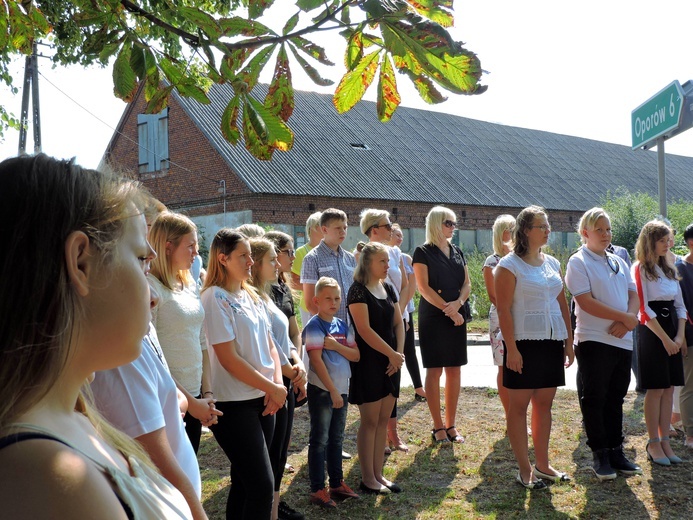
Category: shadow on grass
[499,496]
[613,498]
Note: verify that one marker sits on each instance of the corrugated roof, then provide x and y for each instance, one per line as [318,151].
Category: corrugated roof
[434,157]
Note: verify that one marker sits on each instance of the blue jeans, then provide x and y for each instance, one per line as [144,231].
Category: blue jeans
[326,436]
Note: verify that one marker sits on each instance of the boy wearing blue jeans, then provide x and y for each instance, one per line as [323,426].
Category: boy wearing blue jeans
[331,346]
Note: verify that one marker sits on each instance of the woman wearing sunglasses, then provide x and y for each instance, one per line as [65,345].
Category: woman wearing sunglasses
[535,324]
[606,311]
[443,281]
[661,335]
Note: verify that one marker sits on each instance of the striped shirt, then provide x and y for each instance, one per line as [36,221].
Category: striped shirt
[340,265]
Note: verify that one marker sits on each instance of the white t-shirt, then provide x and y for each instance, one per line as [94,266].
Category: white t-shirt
[280,332]
[588,272]
[178,320]
[535,310]
[141,397]
[661,289]
[394,273]
[235,316]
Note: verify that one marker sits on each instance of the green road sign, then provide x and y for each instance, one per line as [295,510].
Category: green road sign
[657,116]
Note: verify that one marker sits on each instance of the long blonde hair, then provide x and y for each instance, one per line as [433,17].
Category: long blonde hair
[502,224]
[54,198]
[169,227]
[259,248]
[362,273]
[225,242]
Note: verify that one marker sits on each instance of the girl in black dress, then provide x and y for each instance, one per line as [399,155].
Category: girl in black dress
[442,279]
[375,378]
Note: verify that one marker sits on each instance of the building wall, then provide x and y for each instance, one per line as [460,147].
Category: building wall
[194,185]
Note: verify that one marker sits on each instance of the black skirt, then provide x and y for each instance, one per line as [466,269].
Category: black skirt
[656,368]
[542,365]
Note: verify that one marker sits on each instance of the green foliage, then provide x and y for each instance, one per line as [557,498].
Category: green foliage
[629,212]
[194,43]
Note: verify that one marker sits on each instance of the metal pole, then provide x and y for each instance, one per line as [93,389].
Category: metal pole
[662,177]
[35,100]
[24,115]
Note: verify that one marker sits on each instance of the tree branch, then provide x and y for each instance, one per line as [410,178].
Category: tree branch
[191,39]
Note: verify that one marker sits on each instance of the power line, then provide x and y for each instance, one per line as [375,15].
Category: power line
[115,130]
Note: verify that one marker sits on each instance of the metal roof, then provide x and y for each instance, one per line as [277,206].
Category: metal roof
[432,157]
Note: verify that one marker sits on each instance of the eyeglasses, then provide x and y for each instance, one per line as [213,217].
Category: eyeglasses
[613,264]
[543,227]
[287,252]
[449,223]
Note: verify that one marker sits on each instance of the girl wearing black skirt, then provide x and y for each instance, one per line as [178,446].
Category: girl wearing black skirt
[535,326]
[661,336]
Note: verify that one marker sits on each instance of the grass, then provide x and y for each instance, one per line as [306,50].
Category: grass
[475,480]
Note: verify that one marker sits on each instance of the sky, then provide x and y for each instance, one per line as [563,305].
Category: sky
[574,68]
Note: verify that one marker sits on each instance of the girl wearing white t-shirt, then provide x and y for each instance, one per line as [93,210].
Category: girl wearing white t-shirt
[535,324]
[179,315]
[246,374]
[661,336]
[263,273]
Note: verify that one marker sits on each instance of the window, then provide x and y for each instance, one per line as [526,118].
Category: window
[152,135]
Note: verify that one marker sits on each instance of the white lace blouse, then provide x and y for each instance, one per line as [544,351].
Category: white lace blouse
[535,310]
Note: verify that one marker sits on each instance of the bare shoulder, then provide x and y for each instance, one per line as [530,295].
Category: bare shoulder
[45,479]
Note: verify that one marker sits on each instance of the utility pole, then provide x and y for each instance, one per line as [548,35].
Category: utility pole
[30,84]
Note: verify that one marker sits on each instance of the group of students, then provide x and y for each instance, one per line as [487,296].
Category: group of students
[533,337]
[96,322]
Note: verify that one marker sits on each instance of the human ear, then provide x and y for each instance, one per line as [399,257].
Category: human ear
[222,258]
[78,260]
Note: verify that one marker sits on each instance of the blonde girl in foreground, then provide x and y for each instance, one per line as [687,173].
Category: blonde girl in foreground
[74,299]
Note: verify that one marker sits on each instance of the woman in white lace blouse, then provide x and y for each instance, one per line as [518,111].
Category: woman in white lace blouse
[535,327]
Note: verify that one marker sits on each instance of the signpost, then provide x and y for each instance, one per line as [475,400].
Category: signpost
[659,118]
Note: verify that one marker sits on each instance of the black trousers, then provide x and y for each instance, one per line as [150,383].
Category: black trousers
[604,371]
[193,428]
[279,449]
[245,436]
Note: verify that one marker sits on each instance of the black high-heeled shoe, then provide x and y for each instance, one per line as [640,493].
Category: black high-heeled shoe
[435,439]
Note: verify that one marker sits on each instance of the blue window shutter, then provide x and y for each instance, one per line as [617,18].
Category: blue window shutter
[143,142]
[162,140]
[152,135]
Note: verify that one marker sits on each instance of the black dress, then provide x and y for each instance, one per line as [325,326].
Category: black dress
[369,382]
[442,343]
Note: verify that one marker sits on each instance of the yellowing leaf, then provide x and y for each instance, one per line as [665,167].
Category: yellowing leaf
[124,79]
[439,11]
[311,71]
[355,83]
[272,129]
[280,96]
[388,96]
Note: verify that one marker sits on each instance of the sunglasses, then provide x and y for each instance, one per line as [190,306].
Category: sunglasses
[449,223]
[287,252]
[386,226]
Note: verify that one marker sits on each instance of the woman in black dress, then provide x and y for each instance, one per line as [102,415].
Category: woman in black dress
[441,275]
[375,378]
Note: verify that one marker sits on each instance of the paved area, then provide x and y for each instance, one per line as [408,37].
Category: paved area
[480,370]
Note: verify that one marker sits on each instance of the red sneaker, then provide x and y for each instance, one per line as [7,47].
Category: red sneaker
[342,492]
[322,499]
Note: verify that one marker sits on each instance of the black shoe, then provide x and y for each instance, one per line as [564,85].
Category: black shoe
[601,466]
[288,513]
[370,491]
[420,398]
[619,462]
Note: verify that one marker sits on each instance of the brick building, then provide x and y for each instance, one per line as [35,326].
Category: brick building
[352,161]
